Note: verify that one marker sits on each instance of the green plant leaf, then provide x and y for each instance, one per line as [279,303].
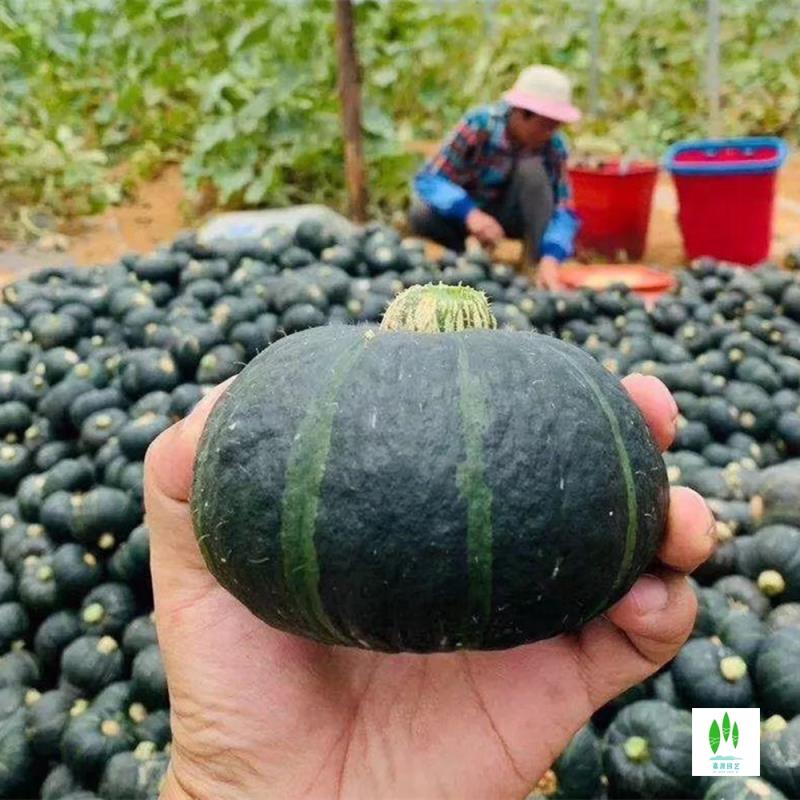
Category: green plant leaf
[726,726]
[713,736]
[735,734]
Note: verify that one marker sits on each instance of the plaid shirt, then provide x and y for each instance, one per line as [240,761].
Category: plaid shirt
[477,161]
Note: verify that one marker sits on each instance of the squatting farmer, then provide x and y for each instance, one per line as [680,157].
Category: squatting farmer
[502,173]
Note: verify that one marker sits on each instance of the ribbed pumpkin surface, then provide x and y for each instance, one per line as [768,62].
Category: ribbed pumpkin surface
[404,491]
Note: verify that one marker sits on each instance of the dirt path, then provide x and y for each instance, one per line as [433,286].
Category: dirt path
[157,216]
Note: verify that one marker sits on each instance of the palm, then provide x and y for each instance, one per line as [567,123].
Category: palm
[371,724]
[260,713]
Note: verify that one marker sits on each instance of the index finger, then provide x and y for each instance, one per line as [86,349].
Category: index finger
[656,404]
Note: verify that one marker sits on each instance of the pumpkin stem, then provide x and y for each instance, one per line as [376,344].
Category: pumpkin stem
[775,724]
[438,308]
[636,749]
[733,668]
[771,582]
[547,785]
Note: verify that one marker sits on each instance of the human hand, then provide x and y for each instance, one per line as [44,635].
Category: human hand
[484,227]
[547,273]
[258,713]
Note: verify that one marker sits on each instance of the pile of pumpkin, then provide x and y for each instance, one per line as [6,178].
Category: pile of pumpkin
[95,363]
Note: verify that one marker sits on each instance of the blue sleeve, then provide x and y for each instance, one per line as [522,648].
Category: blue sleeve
[559,237]
[442,194]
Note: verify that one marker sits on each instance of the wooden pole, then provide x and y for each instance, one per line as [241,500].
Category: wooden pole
[350,97]
[713,68]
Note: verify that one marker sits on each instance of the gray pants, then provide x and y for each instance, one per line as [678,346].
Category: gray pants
[524,211]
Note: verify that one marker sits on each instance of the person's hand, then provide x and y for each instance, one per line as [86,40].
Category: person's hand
[547,273]
[258,713]
[484,227]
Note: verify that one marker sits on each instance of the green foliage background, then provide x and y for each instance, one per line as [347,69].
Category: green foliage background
[243,92]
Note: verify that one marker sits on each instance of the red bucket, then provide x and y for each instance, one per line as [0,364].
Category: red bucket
[726,190]
[613,203]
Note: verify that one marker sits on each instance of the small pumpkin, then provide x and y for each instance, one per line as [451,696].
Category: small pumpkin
[77,571]
[136,775]
[780,754]
[47,716]
[462,584]
[742,789]
[52,636]
[707,673]
[774,562]
[107,609]
[91,663]
[647,752]
[91,740]
[776,674]
[148,679]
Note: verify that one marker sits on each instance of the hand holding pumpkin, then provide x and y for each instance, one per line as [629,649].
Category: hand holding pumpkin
[259,713]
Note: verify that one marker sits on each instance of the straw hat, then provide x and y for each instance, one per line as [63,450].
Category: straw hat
[544,90]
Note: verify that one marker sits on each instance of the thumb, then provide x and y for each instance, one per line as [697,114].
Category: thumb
[637,636]
[168,472]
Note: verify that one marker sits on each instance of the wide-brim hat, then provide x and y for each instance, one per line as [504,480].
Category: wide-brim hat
[544,90]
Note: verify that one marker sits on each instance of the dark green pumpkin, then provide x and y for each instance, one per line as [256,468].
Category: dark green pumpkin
[36,586]
[47,718]
[50,453]
[100,426]
[139,634]
[104,516]
[107,609]
[774,562]
[777,675]
[136,775]
[148,680]
[95,400]
[786,615]
[131,560]
[777,501]
[151,726]
[136,435]
[15,464]
[59,783]
[91,740]
[487,518]
[743,632]
[742,789]
[52,636]
[77,571]
[780,754]
[707,673]
[578,771]
[742,592]
[90,663]
[19,668]
[7,587]
[663,688]
[15,417]
[186,396]
[647,753]
[14,624]
[17,775]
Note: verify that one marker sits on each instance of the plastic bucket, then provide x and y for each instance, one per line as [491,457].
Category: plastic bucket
[726,192]
[614,203]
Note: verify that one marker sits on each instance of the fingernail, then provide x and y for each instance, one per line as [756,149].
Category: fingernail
[649,594]
[700,508]
[673,405]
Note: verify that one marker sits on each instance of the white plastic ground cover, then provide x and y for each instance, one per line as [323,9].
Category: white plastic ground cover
[239,226]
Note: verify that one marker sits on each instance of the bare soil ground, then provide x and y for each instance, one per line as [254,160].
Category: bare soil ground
[157,215]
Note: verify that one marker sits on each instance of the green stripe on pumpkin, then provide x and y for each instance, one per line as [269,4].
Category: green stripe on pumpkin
[305,472]
[473,488]
[627,473]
